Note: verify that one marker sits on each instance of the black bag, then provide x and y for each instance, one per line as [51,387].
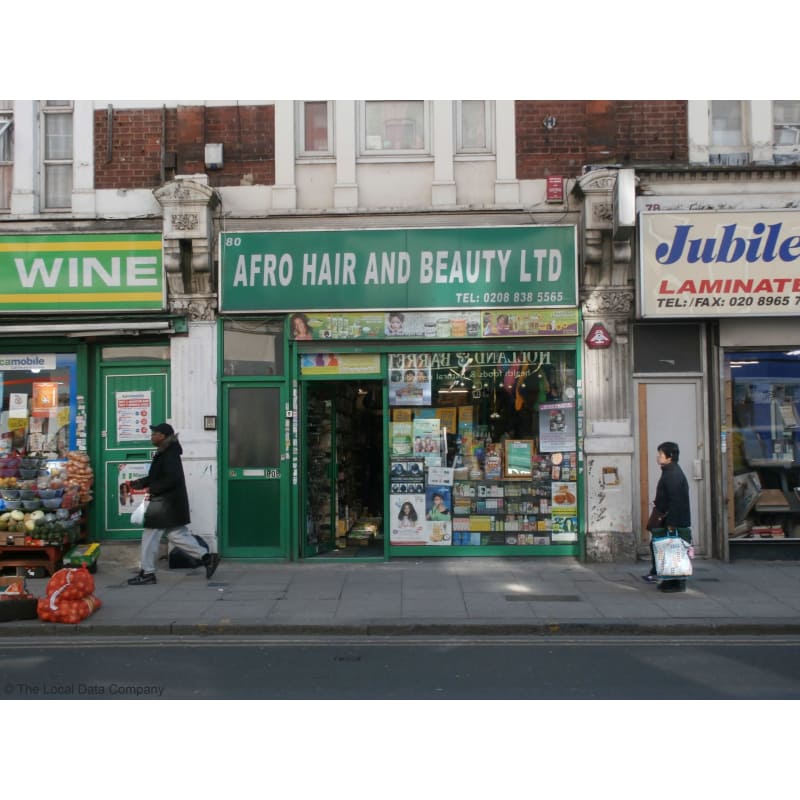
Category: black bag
[180,559]
[656,519]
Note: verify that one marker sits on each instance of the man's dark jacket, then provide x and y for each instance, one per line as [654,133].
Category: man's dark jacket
[169,502]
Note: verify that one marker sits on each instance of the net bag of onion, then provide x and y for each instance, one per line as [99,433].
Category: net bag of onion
[69,597]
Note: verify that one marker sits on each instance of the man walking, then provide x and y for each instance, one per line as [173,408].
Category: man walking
[168,509]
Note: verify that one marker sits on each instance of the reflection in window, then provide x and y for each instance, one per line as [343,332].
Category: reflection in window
[473,126]
[39,404]
[315,128]
[726,123]
[57,153]
[252,347]
[394,125]
[253,437]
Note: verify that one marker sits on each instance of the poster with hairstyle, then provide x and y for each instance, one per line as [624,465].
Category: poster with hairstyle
[407,519]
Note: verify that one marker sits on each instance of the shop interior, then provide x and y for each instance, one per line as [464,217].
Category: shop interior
[344,452]
[765,452]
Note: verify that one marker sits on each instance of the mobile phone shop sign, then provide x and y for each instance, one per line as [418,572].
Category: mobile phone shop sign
[412,268]
[87,272]
[720,264]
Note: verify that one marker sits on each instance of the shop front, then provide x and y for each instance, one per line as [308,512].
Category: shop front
[736,273]
[78,392]
[434,383]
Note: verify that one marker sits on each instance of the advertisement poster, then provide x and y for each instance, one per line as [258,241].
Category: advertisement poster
[409,379]
[427,441]
[128,499]
[400,438]
[408,477]
[407,520]
[564,513]
[45,398]
[134,415]
[556,427]
[17,405]
[440,476]
[339,364]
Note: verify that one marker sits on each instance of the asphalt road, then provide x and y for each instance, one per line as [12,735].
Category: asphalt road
[317,668]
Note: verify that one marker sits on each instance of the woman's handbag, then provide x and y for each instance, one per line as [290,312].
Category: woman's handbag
[672,555]
[137,515]
[655,520]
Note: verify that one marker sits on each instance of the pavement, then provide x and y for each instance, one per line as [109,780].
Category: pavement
[444,596]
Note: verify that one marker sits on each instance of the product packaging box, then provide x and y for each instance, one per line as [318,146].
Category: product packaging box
[82,554]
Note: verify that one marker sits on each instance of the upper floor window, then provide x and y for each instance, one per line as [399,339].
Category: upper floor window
[315,128]
[786,127]
[727,134]
[395,127]
[57,132]
[726,123]
[6,151]
[474,126]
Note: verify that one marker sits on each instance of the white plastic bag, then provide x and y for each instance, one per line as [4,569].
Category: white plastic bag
[672,556]
[137,515]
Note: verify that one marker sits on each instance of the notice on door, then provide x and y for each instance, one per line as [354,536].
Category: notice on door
[134,415]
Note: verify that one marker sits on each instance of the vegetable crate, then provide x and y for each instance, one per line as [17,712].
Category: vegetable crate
[83,554]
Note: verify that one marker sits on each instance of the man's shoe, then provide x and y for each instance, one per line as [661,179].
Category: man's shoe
[142,578]
[211,562]
[650,578]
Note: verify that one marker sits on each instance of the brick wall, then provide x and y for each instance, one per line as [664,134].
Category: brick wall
[627,132]
[247,134]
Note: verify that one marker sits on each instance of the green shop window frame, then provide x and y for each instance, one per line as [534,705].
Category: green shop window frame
[454,372]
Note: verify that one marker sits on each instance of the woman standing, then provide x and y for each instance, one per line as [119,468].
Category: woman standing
[672,503]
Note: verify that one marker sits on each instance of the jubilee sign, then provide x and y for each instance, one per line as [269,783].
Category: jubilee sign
[720,264]
[416,268]
[81,272]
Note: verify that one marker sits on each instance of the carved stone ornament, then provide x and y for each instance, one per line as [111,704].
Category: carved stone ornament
[608,301]
[196,308]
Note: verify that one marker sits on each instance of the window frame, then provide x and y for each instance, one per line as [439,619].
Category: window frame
[401,154]
[300,122]
[63,108]
[785,153]
[730,154]
[488,121]
[7,164]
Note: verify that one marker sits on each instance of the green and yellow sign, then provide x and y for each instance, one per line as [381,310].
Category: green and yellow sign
[412,268]
[81,272]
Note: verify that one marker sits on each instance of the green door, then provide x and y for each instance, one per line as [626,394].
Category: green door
[133,399]
[255,471]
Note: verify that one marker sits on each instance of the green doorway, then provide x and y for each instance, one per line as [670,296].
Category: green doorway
[254,472]
[343,458]
[134,396]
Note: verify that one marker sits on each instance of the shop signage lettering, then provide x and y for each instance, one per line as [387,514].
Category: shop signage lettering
[534,358]
[25,361]
[93,272]
[729,247]
[524,266]
[719,264]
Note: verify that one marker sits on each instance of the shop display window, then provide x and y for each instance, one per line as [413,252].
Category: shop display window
[764,457]
[483,448]
[39,404]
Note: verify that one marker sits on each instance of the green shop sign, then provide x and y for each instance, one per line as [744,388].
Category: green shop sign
[86,272]
[412,268]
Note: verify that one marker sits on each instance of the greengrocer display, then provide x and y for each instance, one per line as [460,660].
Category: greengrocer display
[42,503]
